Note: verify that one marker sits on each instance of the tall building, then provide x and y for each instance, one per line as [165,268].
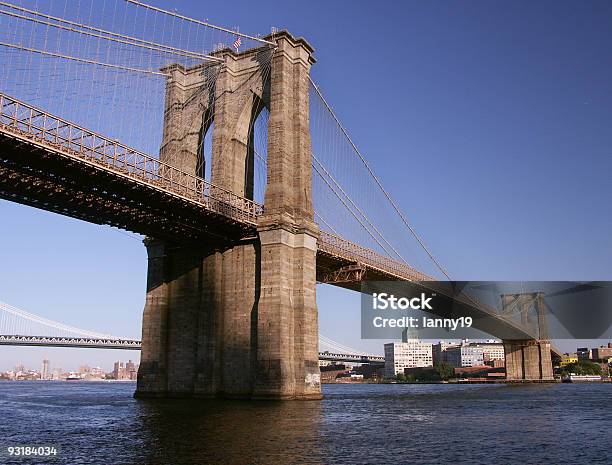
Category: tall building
[45,373]
[409,354]
[119,370]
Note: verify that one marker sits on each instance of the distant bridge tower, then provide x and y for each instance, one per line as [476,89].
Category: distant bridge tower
[238,318]
[529,359]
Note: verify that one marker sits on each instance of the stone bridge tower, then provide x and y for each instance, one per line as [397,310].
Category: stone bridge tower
[528,359]
[237,317]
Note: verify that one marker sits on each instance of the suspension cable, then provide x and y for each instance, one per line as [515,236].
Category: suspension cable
[82,60]
[201,23]
[384,191]
[130,42]
[109,33]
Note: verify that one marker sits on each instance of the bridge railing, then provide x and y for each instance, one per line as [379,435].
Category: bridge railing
[339,247]
[56,133]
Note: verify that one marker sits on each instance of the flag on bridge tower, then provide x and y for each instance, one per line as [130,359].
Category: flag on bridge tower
[237,43]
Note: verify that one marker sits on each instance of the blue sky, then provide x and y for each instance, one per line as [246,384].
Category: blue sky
[488,121]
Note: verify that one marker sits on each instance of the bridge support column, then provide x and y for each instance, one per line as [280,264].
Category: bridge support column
[287,330]
[528,360]
[287,364]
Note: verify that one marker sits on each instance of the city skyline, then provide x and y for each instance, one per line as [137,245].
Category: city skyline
[7,363]
[48,370]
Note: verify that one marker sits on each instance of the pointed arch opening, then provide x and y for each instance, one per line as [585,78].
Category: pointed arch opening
[205,144]
[256,168]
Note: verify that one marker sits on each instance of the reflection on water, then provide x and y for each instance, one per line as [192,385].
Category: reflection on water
[100,423]
[232,432]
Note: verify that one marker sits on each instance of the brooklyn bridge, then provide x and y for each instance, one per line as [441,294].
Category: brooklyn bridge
[221,149]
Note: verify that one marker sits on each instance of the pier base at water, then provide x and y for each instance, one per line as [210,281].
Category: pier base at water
[528,360]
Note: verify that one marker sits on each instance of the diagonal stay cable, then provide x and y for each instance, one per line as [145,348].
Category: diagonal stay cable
[384,191]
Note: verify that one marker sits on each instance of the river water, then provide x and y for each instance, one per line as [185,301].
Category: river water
[101,424]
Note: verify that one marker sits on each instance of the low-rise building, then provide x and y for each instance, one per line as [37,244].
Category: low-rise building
[602,353]
[439,351]
[465,356]
[492,352]
[370,370]
[583,353]
[329,373]
[491,349]
[495,363]
[567,359]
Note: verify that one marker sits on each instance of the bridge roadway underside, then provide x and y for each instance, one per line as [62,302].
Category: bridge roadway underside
[34,176]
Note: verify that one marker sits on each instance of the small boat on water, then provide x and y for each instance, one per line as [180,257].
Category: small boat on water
[574,378]
[73,377]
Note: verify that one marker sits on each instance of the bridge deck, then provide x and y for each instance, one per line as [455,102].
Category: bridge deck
[50,163]
[134,344]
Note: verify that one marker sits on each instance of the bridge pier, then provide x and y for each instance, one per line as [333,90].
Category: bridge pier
[528,360]
[198,321]
[237,317]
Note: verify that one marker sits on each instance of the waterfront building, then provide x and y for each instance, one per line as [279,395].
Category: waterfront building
[96,372]
[567,359]
[131,370]
[496,363]
[409,354]
[370,371]
[583,353]
[465,355]
[602,353]
[439,351]
[491,349]
[119,370]
[329,373]
[123,370]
